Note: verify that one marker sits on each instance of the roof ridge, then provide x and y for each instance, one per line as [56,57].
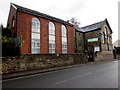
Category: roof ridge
[28,9]
[92,27]
[34,12]
[93,24]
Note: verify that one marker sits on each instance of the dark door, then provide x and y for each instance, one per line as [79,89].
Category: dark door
[91,53]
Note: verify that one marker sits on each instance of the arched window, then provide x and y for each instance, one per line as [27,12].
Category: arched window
[103,37]
[105,32]
[35,36]
[51,37]
[64,39]
[35,25]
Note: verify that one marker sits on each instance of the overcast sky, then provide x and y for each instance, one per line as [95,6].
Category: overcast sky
[85,11]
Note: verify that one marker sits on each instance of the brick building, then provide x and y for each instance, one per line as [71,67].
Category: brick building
[96,38]
[40,33]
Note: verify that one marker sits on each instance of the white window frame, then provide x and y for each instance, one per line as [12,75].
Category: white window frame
[52,45]
[36,28]
[64,39]
[35,36]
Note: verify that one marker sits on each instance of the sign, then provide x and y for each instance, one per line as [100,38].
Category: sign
[92,40]
[97,48]
[18,41]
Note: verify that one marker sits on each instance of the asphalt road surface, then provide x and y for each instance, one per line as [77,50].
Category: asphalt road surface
[94,75]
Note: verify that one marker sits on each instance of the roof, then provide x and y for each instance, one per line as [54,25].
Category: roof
[95,26]
[36,13]
[92,27]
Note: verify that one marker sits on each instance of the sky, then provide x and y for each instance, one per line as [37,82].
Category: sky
[85,11]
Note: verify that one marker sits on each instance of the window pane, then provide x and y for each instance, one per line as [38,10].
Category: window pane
[64,50]
[64,45]
[51,50]
[32,49]
[51,38]
[35,46]
[35,25]
[37,50]
[64,31]
[52,32]
[51,28]
[51,47]
[38,45]
[64,39]
[35,36]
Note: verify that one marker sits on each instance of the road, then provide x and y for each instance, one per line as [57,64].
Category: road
[94,75]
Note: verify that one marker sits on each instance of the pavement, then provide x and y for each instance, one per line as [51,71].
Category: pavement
[102,74]
[32,72]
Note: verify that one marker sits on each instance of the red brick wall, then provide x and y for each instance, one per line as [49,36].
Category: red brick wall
[58,38]
[12,14]
[71,39]
[24,30]
[44,36]
[24,22]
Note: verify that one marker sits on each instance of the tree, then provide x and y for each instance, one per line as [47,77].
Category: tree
[9,44]
[6,34]
[74,22]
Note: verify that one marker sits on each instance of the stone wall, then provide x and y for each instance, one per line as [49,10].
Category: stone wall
[79,43]
[104,55]
[43,61]
[90,35]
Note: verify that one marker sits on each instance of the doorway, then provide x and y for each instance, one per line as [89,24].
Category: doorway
[91,53]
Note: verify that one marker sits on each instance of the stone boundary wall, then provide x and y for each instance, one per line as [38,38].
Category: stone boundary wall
[104,55]
[29,62]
